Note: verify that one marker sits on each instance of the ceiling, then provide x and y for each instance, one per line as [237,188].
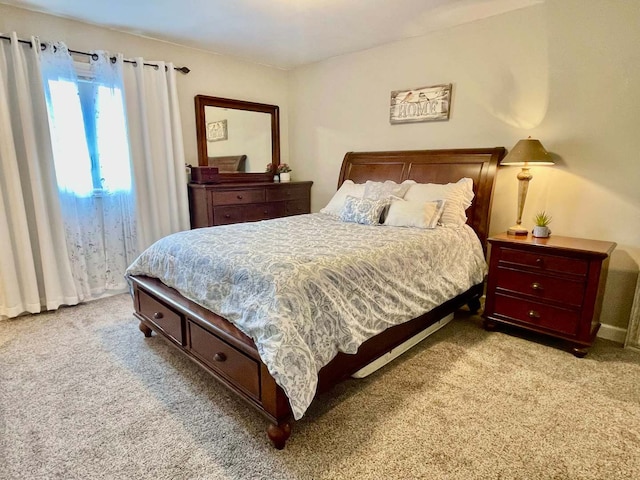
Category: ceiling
[280,33]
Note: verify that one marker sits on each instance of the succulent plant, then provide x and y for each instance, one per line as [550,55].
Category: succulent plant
[542,219]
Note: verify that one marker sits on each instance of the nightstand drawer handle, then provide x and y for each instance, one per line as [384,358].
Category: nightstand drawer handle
[539,262]
[537,286]
[158,315]
[239,197]
[219,357]
[533,314]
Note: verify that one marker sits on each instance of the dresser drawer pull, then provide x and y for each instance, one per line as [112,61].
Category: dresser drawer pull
[539,261]
[227,215]
[537,286]
[533,314]
[158,315]
[239,197]
[219,357]
[265,212]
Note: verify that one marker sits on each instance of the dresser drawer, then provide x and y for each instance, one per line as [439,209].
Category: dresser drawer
[227,215]
[554,319]
[548,263]
[541,286]
[289,192]
[165,319]
[243,371]
[263,211]
[296,207]
[236,197]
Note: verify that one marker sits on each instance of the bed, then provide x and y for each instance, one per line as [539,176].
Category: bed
[234,359]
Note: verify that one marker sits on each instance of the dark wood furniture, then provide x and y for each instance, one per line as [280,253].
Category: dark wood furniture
[232,358]
[222,204]
[551,285]
[273,157]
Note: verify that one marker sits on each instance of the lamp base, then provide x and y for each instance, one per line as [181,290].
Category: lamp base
[518,230]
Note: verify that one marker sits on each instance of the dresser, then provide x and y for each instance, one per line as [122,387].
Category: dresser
[225,203]
[549,285]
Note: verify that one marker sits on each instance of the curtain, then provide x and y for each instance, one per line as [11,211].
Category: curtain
[633,331]
[35,272]
[91,157]
[157,153]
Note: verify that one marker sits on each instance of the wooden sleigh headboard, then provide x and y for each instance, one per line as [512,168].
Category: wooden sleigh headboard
[433,166]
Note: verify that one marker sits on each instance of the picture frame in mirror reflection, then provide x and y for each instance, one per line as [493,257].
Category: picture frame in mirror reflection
[217,131]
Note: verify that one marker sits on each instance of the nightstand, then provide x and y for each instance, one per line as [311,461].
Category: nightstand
[549,285]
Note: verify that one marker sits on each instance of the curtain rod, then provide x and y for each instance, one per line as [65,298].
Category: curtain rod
[183,70]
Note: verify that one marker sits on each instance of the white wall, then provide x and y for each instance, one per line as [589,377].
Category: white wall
[210,74]
[565,72]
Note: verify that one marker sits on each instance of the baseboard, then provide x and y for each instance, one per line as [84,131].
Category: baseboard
[609,332]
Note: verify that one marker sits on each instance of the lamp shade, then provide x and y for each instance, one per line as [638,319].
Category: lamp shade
[528,152]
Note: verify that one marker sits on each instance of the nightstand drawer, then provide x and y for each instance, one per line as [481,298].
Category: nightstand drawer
[543,287]
[548,263]
[236,197]
[557,320]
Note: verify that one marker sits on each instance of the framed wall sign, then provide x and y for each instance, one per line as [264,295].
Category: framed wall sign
[217,131]
[424,104]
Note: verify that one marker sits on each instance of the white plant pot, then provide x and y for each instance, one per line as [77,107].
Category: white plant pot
[541,232]
[285,177]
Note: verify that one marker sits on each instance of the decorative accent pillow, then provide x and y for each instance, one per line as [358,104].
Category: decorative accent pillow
[363,210]
[458,198]
[380,190]
[403,213]
[335,205]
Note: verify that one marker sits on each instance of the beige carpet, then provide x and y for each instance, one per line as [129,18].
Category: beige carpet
[84,395]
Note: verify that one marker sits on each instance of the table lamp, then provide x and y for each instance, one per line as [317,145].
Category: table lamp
[526,153]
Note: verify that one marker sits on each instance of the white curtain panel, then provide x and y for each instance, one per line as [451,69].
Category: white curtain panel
[35,271]
[633,331]
[157,153]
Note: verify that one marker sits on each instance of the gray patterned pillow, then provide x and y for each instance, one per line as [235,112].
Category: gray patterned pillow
[380,190]
[363,210]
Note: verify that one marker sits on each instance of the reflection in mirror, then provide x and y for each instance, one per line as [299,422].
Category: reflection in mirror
[238,137]
[238,140]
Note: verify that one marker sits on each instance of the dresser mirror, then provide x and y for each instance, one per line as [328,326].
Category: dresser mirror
[238,137]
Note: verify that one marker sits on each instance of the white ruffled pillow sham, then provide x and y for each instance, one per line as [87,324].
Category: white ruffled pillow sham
[458,197]
[336,204]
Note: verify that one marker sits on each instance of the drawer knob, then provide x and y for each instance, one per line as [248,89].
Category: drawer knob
[239,197]
[227,215]
[158,315]
[533,314]
[539,262]
[537,286]
[219,357]
[265,212]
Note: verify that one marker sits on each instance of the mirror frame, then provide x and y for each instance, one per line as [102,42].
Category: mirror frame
[202,101]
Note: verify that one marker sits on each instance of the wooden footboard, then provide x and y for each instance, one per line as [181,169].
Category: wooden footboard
[232,358]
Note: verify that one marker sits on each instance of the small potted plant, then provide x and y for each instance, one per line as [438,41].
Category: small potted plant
[284,170]
[541,228]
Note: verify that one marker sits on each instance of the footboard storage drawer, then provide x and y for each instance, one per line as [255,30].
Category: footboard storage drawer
[239,369]
[170,323]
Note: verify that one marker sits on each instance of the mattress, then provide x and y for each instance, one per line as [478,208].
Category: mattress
[307,287]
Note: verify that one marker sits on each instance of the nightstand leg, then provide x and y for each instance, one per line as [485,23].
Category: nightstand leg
[489,325]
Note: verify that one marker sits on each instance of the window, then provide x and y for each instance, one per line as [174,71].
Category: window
[89,135]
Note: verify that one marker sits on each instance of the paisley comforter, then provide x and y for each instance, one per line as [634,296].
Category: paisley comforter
[309,286]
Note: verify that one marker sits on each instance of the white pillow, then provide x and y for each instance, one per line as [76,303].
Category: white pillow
[382,190]
[403,213]
[335,205]
[458,198]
